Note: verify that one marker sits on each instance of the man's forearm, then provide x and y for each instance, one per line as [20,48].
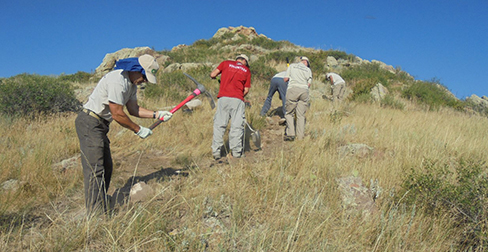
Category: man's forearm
[126,122]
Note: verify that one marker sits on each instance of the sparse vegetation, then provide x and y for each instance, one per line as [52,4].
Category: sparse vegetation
[432,94]
[391,102]
[364,77]
[78,77]
[457,188]
[430,164]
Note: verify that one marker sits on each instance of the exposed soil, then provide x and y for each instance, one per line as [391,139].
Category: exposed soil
[161,167]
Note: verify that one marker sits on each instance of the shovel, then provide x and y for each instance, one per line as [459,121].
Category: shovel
[255,136]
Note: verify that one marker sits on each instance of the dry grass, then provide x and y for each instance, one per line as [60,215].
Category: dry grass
[282,200]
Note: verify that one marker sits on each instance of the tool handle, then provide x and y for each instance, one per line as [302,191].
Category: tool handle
[159,121]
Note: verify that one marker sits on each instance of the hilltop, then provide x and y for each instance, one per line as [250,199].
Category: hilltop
[364,75]
[399,166]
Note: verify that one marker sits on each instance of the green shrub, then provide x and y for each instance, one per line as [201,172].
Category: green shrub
[390,101]
[279,56]
[372,72]
[79,77]
[202,43]
[362,78]
[268,43]
[459,188]
[362,98]
[29,95]
[170,85]
[191,54]
[261,71]
[175,85]
[340,55]
[432,94]
[362,88]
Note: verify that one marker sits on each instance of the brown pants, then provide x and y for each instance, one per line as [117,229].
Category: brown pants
[296,106]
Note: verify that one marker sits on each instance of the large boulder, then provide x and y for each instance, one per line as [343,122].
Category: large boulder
[478,101]
[249,32]
[378,92]
[109,60]
[331,61]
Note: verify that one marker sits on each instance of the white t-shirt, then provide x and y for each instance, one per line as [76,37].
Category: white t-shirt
[115,87]
[299,74]
[336,78]
[280,75]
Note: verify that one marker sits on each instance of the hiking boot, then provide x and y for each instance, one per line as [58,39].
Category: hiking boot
[289,138]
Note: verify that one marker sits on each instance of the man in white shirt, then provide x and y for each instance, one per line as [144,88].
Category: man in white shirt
[276,85]
[338,86]
[115,90]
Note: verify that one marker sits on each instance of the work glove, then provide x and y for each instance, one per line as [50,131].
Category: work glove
[247,103]
[164,115]
[144,132]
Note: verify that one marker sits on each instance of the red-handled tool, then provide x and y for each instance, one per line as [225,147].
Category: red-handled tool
[200,89]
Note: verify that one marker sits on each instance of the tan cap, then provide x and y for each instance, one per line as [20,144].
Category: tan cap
[244,57]
[305,58]
[150,66]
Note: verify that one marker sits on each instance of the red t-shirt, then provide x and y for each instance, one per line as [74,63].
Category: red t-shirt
[234,78]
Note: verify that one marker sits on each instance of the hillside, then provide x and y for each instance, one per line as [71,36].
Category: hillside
[396,171]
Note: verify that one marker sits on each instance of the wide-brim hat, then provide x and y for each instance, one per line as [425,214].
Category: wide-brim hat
[244,57]
[150,67]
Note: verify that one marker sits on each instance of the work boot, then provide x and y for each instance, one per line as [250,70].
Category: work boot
[289,138]
[282,122]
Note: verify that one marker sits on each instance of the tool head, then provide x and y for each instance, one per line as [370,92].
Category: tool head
[203,90]
[255,136]
[256,139]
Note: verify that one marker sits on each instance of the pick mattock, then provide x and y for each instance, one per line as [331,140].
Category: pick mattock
[205,92]
[199,90]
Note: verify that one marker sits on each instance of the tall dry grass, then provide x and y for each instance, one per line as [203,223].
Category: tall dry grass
[284,201]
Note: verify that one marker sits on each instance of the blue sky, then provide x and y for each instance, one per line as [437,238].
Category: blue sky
[446,40]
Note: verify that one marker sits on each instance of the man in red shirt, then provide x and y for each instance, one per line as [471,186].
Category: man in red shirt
[235,83]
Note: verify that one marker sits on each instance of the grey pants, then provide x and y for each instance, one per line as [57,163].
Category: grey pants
[96,160]
[228,109]
[296,105]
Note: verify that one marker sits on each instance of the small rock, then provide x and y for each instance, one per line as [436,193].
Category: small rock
[140,192]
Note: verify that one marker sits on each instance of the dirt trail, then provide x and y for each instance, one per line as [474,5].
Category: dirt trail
[131,169]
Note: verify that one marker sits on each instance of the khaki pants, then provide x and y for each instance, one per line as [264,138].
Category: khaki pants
[338,91]
[296,106]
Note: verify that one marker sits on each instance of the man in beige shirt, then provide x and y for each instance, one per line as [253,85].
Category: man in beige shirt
[299,78]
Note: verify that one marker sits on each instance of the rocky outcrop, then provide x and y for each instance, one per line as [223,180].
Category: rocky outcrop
[480,103]
[249,32]
[357,198]
[109,60]
[378,92]
[384,66]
